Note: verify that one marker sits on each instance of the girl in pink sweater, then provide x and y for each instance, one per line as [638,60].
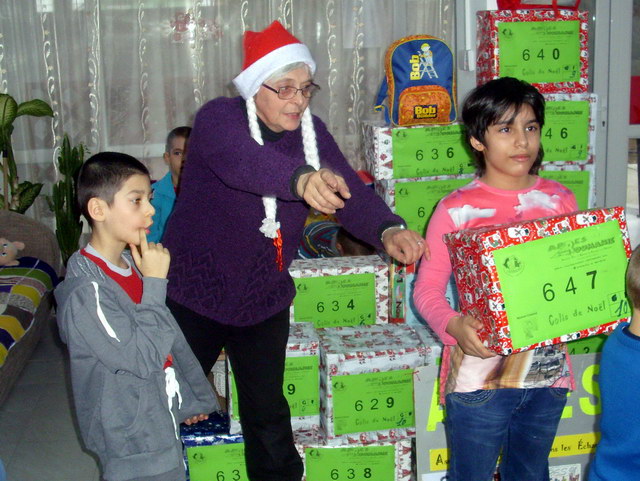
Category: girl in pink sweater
[508,405]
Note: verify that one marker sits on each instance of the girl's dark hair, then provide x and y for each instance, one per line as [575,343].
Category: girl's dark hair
[489,103]
[102,175]
[183,131]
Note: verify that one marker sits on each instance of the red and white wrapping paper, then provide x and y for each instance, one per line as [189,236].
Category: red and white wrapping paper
[360,350]
[471,253]
[403,452]
[488,50]
[303,341]
[339,266]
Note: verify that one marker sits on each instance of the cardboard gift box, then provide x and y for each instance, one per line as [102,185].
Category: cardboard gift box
[388,460]
[544,281]
[545,47]
[210,451]
[415,199]
[569,132]
[301,381]
[340,291]
[366,382]
[419,151]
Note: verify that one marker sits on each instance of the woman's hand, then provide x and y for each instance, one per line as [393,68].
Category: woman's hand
[404,245]
[320,190]
[464,330]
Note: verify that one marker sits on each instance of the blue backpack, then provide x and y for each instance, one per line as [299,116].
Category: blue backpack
[419,82]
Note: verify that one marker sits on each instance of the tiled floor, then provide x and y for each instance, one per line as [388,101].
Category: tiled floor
[38,435]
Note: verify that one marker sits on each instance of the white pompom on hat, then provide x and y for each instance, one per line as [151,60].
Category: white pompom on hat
[264,53]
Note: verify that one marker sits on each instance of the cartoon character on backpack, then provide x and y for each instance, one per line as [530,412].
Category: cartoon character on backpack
[419,82]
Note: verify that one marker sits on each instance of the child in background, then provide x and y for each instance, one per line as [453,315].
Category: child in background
[165,190]
[508,405]
[133,375]
[618,452]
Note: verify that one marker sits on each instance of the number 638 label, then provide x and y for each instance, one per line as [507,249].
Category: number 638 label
[370,463]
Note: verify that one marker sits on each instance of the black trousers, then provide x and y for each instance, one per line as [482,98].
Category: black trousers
[257,357]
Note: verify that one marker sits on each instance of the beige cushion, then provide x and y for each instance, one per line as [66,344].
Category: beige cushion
[40,241]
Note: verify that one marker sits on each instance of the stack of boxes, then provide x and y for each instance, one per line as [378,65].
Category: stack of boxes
[358,351]
[548,48]
[349,387]
[301,382]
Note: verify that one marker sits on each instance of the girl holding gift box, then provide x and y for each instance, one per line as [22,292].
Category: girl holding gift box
[256,164]
[508,405]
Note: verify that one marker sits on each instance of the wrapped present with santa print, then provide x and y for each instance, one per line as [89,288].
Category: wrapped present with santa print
[388,460]
[546,47]
[544,281]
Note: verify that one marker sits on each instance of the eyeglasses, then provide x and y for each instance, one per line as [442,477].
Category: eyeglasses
[287,93]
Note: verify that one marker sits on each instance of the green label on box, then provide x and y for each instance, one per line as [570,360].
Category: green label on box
[565,135]
[331,301]
[576,180]
[416,200]
[372,402]
[301,386]
[579,283]
[587,346]
[221,462]
[540,52]
[370,463]
[429,151]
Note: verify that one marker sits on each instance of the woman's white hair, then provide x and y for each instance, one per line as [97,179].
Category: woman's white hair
[284,70]
[270,225]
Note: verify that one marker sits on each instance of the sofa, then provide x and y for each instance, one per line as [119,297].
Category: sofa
[26,293]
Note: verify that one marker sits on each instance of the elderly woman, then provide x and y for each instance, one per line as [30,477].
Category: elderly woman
[255,166]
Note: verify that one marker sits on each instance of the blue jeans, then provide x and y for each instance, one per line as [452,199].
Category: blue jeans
[519,423]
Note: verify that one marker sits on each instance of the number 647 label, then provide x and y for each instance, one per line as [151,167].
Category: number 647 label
[563,283]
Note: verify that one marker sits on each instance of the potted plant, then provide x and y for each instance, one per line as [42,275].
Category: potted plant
[63,201]
[17,196]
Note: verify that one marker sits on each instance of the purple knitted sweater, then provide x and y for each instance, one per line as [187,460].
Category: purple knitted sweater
[222,266]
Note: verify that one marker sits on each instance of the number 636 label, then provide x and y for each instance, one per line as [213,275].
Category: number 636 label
[563,283]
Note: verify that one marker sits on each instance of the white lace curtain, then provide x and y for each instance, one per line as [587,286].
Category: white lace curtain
[119,74]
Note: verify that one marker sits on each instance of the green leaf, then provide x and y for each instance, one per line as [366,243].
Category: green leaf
[35,107]
[27,193]
[8,111]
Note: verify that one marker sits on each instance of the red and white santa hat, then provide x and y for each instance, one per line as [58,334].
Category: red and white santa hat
[267,51]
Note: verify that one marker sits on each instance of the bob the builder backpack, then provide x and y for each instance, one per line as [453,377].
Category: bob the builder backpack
[419,82]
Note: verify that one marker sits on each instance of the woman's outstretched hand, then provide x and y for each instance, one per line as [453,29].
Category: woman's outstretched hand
[323,190]
[404,245]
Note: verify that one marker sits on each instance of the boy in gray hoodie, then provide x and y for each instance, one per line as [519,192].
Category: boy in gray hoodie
[133,375]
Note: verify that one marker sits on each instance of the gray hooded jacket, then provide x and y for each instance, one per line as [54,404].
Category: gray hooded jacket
[128,406]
